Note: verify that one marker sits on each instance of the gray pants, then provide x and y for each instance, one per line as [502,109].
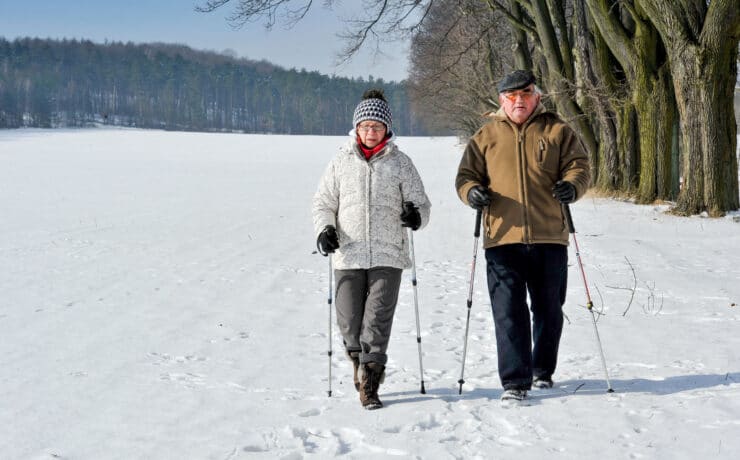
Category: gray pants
[366,301]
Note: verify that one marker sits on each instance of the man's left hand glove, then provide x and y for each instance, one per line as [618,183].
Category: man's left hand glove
[564,192]
[479,197]
[410,216]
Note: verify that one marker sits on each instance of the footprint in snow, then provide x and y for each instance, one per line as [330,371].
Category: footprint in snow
[310,413]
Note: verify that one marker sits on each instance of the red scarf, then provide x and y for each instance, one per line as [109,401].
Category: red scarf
[369,152]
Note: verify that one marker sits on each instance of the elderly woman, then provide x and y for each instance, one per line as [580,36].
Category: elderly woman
[369,192]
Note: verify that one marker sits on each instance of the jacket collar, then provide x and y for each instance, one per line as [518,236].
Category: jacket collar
[354,148]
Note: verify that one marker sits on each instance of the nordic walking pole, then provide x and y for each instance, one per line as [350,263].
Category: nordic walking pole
[470,295]
[331,274]
[589,304]
[416,306]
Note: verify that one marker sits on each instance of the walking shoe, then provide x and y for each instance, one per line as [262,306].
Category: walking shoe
[542,383]
[370,376]
[513,394]
[354,356]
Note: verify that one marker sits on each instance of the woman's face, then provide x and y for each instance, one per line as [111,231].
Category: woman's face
[371,132]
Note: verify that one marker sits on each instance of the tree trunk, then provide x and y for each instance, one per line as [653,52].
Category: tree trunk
[708,137]
[637,48]
[608,175]
[702,50]
[652,99]
[627,136]
[522,57]
[648,131]
[665,104]
[589,96]
[554,73]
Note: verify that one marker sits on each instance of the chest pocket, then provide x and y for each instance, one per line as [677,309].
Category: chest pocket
[547,155]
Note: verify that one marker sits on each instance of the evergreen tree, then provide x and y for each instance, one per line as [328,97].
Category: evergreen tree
[52,83]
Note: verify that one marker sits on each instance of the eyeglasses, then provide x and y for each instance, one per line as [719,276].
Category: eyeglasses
[523,93]
[373,128]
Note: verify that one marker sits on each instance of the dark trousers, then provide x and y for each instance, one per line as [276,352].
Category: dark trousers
[513,271]
[365,304]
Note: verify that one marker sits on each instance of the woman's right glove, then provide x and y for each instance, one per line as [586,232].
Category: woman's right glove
[328,241]
[479,197]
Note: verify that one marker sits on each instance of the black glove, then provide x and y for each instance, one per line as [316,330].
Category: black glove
[328,241]
[410,216]
[479,197]
[564,192]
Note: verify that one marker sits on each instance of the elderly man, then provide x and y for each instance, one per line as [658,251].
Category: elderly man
[518,169]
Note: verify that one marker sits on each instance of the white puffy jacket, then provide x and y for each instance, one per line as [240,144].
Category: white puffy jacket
[364,200]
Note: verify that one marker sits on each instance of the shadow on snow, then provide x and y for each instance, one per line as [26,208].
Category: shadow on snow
[665,386]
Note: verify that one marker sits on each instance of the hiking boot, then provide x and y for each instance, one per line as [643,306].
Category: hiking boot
[542,383]
[354,356]
[370,375]
[513,394]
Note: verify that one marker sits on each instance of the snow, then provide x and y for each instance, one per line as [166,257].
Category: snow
[161,299]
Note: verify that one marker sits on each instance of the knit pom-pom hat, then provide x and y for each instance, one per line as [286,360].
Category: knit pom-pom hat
[373,107]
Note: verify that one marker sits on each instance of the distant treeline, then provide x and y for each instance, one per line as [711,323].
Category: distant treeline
[69,83]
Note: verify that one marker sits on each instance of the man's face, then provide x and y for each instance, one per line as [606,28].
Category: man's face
[519,103]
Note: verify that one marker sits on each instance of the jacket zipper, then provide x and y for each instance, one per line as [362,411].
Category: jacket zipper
[369,181]
[522,178]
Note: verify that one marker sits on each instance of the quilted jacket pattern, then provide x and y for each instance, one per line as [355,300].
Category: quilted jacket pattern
[364,199]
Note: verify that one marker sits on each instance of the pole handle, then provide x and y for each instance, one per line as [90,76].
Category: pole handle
[568,218]
[478,217]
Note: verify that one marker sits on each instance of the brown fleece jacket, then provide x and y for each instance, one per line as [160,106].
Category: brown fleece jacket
[520,165]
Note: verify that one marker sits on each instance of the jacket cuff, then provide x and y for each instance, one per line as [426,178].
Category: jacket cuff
[463,191]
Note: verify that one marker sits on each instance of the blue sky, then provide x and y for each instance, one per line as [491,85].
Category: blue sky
[312,44]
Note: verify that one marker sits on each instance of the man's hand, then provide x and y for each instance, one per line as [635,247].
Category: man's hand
[479,197]
[564,192]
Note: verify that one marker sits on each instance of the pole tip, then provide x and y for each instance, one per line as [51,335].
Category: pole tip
[423,390]
[329,393]
[610,390]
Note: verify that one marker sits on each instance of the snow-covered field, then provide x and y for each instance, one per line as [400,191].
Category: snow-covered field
[159,299]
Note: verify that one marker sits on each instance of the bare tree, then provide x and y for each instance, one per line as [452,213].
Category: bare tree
[456,58]
[636,45]
[634,54]
[603,94]
[382,21]
[270,11]
[547,26]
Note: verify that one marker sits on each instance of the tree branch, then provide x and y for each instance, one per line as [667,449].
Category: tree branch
[252,10]
[613,32]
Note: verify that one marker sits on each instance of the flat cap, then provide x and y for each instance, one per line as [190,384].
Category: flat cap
[517,79]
